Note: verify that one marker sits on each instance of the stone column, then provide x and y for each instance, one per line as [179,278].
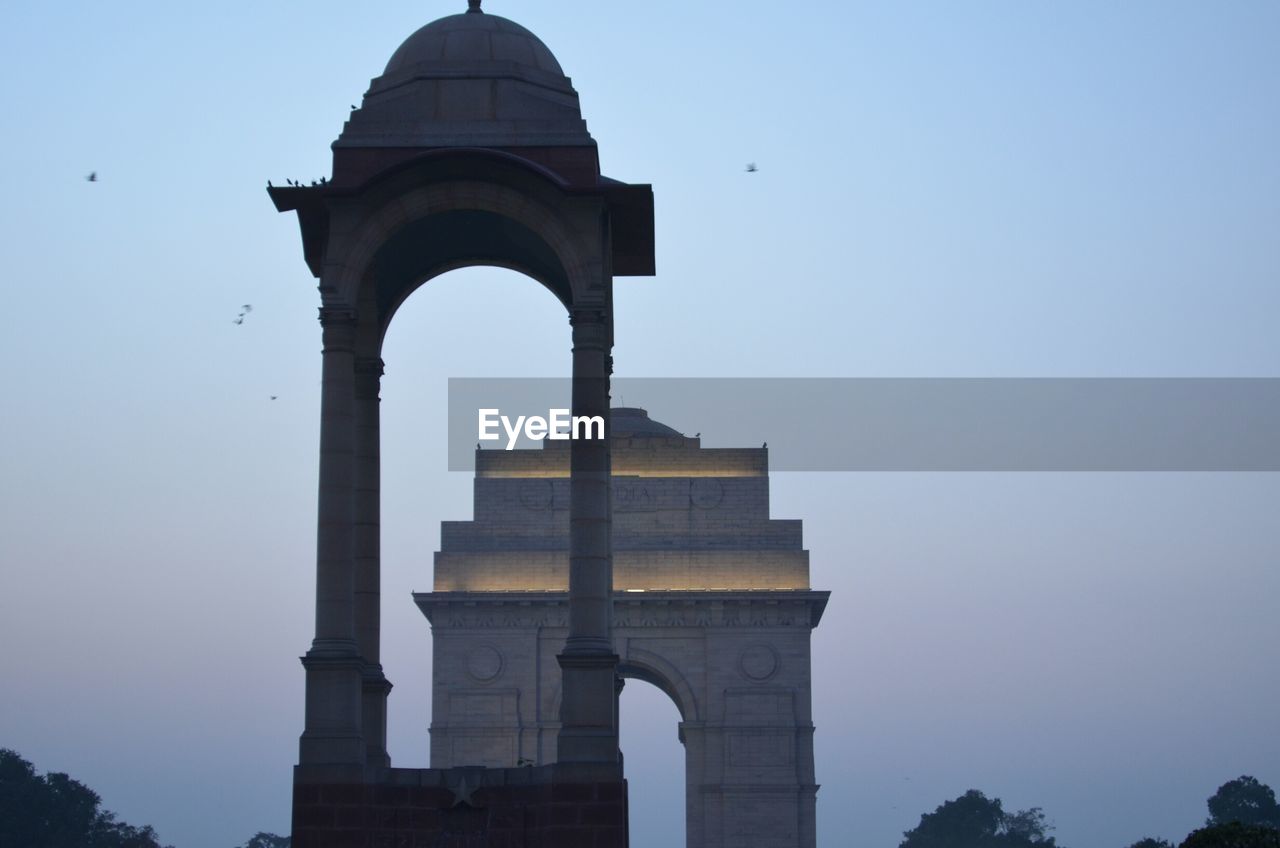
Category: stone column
[334,668]
[588,707]
[693,737]
[368,563]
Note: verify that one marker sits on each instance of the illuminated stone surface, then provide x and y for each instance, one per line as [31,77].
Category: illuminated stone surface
[712,605]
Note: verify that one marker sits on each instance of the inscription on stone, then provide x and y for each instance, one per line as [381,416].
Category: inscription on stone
[632,497]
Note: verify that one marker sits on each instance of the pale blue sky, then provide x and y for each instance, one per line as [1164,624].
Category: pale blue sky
[945,189]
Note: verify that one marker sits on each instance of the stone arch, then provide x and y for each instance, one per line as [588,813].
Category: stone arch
[399,269]
[653,668]
[640,664]
[521,198]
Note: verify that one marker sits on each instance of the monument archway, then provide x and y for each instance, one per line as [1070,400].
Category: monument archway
[711,604]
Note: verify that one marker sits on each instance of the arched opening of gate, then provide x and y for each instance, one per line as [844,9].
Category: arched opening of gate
[654,762]
[431,339]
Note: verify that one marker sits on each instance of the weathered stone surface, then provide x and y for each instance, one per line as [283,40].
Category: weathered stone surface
[549,807]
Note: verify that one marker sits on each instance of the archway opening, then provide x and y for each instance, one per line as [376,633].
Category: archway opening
[654,761]
[479,321]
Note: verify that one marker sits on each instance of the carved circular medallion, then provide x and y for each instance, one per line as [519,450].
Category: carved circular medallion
[535,494]
[484,663]
[758,662]
[706,492]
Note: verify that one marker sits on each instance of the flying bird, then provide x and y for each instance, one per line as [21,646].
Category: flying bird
[244,310]
[273,397]
[751,168]
[93,177]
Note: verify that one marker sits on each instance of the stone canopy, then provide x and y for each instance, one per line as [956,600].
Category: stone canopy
[462,98]
[469,149]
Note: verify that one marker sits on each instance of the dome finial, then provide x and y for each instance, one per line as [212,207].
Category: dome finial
[474,6]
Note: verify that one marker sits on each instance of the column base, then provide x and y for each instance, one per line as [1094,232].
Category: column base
[333,734]
[375,688]
[589,694]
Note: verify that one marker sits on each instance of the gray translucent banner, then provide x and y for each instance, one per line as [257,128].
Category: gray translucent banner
[822,424]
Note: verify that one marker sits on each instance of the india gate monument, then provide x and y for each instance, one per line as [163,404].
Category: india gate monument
[588,561]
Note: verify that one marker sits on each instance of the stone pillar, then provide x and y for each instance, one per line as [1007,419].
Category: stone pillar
[334,667]
[808,788]
[368,563]
[588,707]
[694,740]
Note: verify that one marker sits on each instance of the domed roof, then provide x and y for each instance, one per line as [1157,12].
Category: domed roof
[471,80]
[473,37]
[632,421]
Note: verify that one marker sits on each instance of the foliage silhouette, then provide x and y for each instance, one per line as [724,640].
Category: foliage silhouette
[975,821]
[1233,835]
[55,811]
[266,840]
[1244,800]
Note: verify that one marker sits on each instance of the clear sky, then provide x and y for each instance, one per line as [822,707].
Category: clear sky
[944,189]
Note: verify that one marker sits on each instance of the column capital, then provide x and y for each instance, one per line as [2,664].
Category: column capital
[592,329]
[370,366]
[339,323]
[368,371]
[337,315]
[582,316]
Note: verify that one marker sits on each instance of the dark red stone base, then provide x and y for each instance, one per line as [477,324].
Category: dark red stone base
[547,807]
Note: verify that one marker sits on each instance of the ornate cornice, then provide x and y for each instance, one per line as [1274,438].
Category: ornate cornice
[786,608]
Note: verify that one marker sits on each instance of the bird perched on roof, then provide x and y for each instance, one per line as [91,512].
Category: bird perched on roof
[751,168]
[93,177]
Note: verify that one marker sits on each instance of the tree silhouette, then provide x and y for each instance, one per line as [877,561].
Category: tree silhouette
[975,821]
[1233,835]
[1244,800]
[55,811]
[1150,842]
